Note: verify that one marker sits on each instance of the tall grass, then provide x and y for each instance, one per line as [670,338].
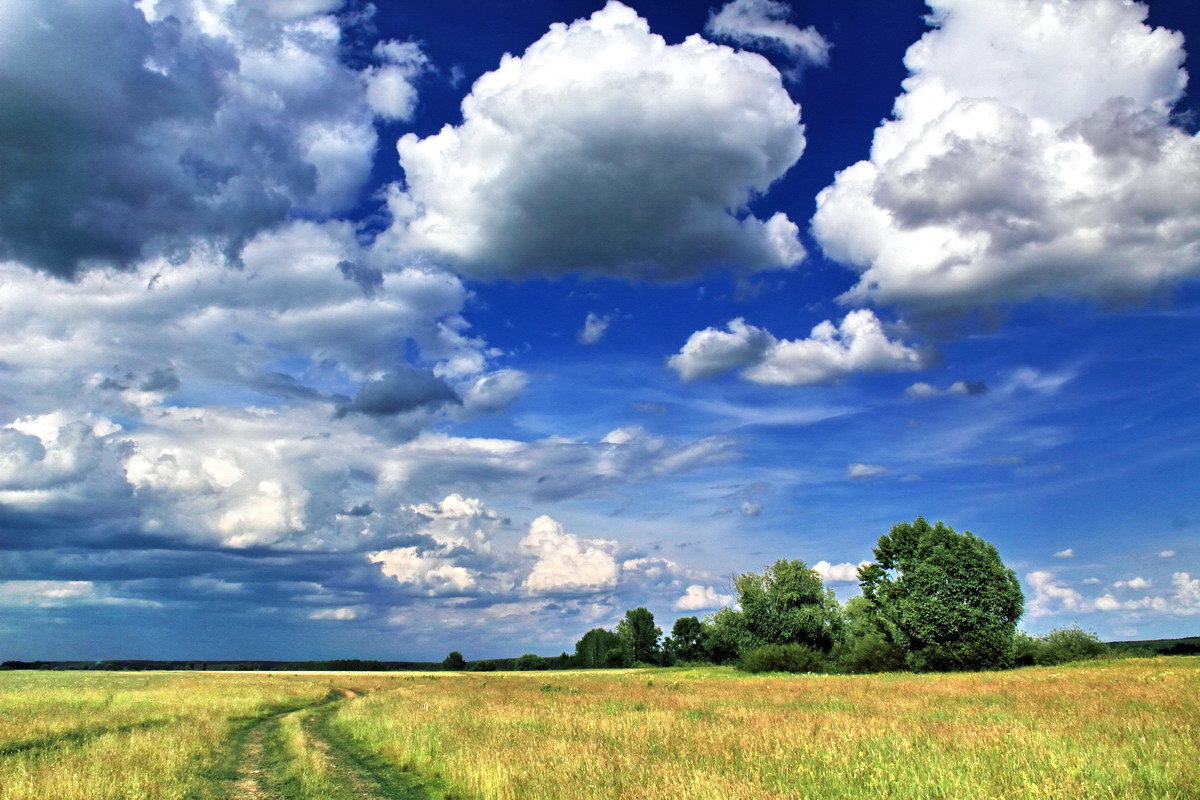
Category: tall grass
[1122,729]
[95,736]
[1101,730]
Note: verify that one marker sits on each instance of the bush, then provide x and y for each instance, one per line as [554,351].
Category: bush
[531,661]
[869,652]
[782,658]
[1059,646]
[1071,644]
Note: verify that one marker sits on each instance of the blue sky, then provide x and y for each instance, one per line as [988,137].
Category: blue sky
[342,330]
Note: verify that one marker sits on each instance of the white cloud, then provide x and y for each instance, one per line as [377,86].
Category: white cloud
[750,508]
[1166,554]
[594,328]
[344,613]
[1091,581]
[924,391]
[1051,595]
[603,149]
[1133,583]
[390,91]
[829,355]
[1187,593]
[567,563]
[1068,553]
[863,471]
[838,573]
[155,127]
[763,23]
[701,598]
[432,574]
[1030,154]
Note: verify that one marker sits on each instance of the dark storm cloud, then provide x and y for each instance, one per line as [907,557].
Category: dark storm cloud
[123,136]
[402,390]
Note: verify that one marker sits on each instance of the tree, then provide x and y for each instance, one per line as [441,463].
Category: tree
[686,642]
[639,635]
[864,645]
[787,604]
[454,661]
[592,650]
[944,598]
[530,661]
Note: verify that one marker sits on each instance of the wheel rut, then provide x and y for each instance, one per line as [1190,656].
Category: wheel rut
[298,754]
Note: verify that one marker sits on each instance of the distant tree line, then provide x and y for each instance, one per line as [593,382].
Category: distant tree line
[932,600]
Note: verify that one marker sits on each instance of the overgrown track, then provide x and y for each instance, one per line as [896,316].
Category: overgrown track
[297,754]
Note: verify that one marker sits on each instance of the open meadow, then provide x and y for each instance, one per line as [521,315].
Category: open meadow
[1110,729]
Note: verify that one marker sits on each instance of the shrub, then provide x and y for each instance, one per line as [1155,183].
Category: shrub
[782,658]
[1059,646]
[869,652]
[1071,644]
[530,661]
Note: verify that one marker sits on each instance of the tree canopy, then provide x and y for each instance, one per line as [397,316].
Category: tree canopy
[639,635]
[945,598]
[785,604]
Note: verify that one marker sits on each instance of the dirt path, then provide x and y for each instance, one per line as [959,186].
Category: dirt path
[300,755]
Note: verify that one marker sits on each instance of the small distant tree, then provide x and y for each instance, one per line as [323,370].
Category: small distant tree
[944,597]
[454,661]
[530,661]
[686,642]
[592,650]
[639,635]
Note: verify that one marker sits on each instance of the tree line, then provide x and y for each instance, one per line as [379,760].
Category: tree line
[932,600]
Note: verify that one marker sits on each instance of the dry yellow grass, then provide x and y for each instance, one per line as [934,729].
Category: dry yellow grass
[1122,729]
[1102,730]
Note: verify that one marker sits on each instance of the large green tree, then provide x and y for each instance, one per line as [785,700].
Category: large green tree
[639,635]
[786,604]
[592,650]
[686,642]
[945,598]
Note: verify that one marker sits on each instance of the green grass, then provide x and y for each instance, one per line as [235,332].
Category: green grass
[1111,729]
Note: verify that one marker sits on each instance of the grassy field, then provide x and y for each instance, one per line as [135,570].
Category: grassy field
[1115,729]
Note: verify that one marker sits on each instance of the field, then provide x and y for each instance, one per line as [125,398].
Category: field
[1116,729]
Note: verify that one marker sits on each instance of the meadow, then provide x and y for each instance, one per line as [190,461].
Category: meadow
[1103,729]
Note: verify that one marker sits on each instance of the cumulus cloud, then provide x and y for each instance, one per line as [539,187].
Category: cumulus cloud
[567,563]
[702,598]
[1050,594]
[391,92]
[838,573]
[763,24]
[1031,154]
[1133,583]
[594,328]
[828,355]
[604,150]
[1166,554]
[1068,553]
[924,391]
[858,472]
[131,129]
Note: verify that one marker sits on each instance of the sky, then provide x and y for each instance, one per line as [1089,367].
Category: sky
[332,329]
